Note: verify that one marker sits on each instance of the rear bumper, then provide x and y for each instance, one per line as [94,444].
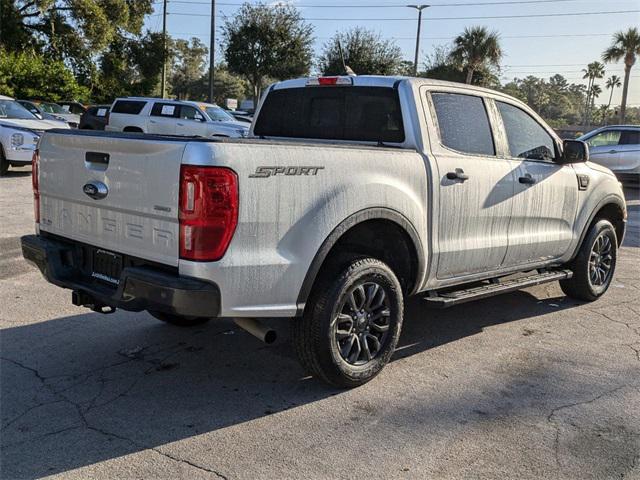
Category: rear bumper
[140,288]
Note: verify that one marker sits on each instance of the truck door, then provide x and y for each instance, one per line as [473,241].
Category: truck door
[474,186]
[546,193]
[163,118]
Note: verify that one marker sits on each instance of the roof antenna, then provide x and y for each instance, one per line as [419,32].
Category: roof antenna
[347,69]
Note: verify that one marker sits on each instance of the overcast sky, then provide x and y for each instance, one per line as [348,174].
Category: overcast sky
[538,45]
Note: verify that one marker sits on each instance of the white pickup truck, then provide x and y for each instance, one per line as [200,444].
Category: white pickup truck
[352,193]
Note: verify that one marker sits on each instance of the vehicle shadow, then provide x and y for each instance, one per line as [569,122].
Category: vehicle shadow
[87,388]
[13,173]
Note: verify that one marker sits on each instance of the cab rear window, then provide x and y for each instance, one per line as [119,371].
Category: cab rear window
[370,114]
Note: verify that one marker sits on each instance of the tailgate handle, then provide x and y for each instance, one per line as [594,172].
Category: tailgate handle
[97,158]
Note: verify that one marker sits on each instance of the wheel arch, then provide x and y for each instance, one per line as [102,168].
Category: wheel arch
[370,217]
[612,208]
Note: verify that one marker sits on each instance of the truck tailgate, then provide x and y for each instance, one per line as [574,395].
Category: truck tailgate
[139,214]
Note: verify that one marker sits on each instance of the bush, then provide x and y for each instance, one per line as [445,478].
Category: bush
[30,75]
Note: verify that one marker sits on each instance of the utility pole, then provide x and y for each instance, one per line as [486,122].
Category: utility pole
[212,48]
[163,86]
[415,61]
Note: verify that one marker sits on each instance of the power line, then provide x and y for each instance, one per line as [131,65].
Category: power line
[450,37]
[534,15]
[459,4]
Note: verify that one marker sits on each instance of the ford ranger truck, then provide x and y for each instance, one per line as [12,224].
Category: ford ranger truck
[351,194]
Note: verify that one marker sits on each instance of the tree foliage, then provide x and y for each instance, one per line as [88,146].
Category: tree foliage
[557,101]
[263,42]
[188,67]
[365,52]
[30,75]
[625,46]
[439,66]
[475,49]
[129,67]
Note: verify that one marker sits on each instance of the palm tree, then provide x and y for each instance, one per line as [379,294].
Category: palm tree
[593,71]
[626,45]
[613,82]
[476,48]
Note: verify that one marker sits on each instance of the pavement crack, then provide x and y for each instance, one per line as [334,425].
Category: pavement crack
[550,419]
[190,463]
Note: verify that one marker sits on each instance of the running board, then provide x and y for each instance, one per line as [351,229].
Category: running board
[495,287]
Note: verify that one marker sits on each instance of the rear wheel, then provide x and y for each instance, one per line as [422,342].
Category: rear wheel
[351,325]
[179,320]
[595,264]
[4,164]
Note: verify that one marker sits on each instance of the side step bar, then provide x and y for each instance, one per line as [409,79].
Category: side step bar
[495,287]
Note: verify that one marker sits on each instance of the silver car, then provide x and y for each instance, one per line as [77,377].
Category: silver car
[617,147]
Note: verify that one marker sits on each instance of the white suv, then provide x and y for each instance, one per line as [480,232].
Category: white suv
[173,117]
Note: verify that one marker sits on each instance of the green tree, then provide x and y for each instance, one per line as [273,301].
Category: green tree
[613,82]
[440,66]
[365,52]
[267,41]
[30,75]
[225,85]
[474,49]
[129,66]
[626,45]
[71,29]
[188,67]
[595,70]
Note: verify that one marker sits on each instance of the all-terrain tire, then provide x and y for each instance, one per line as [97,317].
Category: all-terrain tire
[4,164]
[315,336]
[582,285]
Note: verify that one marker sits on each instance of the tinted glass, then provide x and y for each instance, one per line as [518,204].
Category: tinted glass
[603,139]
[526,137]
[369,114]
[165,110]
[131,107]
[630,137]
[12,109]
[463,123]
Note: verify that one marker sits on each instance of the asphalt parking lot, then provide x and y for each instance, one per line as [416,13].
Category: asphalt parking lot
[526,385]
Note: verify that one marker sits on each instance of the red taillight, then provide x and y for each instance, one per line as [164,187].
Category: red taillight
[35,182]
[208,211]
[328,81]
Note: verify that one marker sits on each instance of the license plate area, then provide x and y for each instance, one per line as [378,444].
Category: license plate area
[106,266]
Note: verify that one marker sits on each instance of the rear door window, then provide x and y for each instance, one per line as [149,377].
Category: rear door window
[131,107]
[370,114]
[463,123]
[606,138]
[527,138]
[169,110]
[630,137]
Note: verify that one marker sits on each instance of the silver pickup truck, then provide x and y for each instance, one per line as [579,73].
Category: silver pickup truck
[351,194]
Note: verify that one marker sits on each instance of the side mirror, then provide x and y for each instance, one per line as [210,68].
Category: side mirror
[574,151]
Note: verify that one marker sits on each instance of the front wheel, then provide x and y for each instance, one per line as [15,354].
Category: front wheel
[352,324]
[595,264]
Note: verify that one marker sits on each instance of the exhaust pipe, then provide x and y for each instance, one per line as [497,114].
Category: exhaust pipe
[257,329]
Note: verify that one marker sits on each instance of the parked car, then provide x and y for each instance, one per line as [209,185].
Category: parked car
[172,117]
[353,193]
[39,113]
[95,118]
[241,115]
[73,107]
[50,110]
[617,147]
[20,131]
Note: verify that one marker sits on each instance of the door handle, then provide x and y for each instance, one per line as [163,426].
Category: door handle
[180,124]
[612,151]
[527,179]
[152,121]
[458,175]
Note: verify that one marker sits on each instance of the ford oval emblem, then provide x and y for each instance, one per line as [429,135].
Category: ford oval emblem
[95,190]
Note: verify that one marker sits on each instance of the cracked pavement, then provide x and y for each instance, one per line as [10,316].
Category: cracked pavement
[525,385]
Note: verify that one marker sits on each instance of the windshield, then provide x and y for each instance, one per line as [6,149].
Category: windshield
[217,114]
[52,108]
[12,109]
